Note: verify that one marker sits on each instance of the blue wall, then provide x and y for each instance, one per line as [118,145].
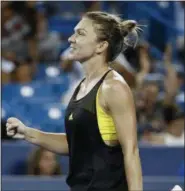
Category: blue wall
[156,161]
[58,184]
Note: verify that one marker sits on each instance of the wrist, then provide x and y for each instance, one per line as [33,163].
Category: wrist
[32,135]
[26,132]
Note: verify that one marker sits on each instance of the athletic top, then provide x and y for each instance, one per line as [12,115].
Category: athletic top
[93,165]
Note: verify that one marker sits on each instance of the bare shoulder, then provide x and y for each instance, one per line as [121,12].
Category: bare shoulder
[114,84]
[115,94]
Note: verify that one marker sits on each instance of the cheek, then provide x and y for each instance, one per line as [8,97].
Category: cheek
[83,50]
[88,49]
[86,43]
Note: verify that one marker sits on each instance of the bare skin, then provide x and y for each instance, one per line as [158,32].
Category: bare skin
[119,103]
[54,142]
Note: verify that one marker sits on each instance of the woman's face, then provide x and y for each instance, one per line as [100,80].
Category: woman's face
[47,163]
[83,43]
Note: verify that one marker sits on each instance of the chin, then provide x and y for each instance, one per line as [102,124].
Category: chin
[73,58]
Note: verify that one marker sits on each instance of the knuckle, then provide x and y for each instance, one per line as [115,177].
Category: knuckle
[11,119]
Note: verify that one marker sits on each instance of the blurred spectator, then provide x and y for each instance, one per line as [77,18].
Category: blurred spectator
[148,107]
[6,71]
[179,99]
[172,135]
[24,71]
[25,31]
[14,31]
[180,76]
[49,42]
[92,5]
[17,34]
[149,135]
[13,70]
[40,162]
[148,102]
[44,163]
[179,16]
[174,132]
[8,66]
[27,10]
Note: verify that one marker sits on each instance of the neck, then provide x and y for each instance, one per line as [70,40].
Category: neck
[94,67]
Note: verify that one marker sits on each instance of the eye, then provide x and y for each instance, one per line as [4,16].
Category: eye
[81,33]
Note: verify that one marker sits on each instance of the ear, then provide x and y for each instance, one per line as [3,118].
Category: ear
[101,47]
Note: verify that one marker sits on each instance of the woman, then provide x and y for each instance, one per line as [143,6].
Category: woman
[101,138]
[44,163]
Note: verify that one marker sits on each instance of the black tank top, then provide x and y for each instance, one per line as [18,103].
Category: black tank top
[93,165]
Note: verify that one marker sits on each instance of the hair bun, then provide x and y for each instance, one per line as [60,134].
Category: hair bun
[128,26]
[129,32]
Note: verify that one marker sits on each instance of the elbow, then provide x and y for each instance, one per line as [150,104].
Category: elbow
[132,159]
[131,151]
[134,152]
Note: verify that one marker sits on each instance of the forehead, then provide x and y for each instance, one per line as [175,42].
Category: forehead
[85,24]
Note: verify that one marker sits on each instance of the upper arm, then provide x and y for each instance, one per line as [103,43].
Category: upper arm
[119,101]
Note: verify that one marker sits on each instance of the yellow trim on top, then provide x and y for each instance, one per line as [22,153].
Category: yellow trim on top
[105,122]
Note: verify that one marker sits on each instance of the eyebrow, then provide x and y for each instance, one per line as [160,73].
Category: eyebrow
[79,29]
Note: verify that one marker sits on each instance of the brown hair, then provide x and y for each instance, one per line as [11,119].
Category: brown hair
[119,34]
[33,163]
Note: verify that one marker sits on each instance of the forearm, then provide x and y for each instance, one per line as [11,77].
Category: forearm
[171,86]
[171,72]
[145,68]
[133,171]
[55,142]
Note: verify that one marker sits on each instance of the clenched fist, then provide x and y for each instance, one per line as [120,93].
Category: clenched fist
[15,128]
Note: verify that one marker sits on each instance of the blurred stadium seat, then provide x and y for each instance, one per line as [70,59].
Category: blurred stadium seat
[36,91]
[62,25]
[49,117]
[31,91]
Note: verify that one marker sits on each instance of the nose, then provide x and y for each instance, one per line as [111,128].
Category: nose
[71,39]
